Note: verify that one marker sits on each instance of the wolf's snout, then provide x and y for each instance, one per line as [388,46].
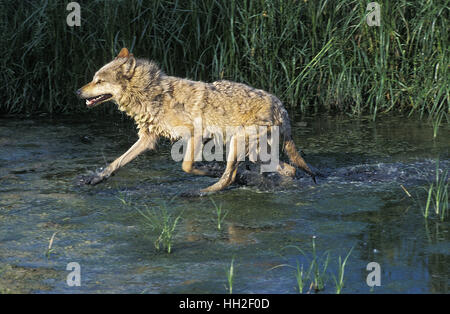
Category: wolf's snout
[78,92]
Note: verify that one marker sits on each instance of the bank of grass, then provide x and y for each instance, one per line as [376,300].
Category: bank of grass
[315,55]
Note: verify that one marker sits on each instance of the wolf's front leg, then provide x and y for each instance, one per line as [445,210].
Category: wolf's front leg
[145,142]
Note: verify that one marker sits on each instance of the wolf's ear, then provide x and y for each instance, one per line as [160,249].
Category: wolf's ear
[124,53]
[129,66]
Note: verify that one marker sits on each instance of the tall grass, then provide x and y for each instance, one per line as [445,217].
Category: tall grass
[315,55]
[437,119]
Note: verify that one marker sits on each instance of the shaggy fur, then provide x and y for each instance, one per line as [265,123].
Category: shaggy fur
[160,104]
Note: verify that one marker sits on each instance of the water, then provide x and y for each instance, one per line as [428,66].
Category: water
[359,204]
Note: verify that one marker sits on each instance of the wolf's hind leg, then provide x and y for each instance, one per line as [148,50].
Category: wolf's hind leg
[229,175]
[296,158]
[145,142]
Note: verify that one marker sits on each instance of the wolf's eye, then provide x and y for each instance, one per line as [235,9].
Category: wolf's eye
[99,81]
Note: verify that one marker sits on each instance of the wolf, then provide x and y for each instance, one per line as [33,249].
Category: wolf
[160,104]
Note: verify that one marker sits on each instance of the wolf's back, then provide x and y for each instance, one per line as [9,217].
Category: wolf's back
[239,104]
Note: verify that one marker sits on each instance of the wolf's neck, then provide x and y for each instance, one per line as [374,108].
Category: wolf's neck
[142,94]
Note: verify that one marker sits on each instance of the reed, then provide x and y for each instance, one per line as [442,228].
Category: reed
[317,273]
[437,195]
[339,280]
[315,55]
[163,223]
[230,277]
[437,120]
[220,215]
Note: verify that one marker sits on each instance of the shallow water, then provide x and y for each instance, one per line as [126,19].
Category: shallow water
[359,204]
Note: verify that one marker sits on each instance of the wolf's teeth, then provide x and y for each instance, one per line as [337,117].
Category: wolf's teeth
[96,99]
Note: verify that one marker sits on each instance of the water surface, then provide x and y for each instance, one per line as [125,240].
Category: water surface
[359,204]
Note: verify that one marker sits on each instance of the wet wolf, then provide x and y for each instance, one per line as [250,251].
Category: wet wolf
[160,104]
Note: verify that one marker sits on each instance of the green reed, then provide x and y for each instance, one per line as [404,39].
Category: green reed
[437,120]
[339,279]
[230,277]
[315,55]
[437,195]
[220,214]
[163,223]
[317,273]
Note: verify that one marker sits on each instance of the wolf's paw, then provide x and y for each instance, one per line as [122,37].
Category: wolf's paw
[194,193]
[92,179]
[95,180]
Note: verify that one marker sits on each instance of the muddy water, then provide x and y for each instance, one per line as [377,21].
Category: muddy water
[359,204]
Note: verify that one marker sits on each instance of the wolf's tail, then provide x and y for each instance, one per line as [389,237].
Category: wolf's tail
[296,159]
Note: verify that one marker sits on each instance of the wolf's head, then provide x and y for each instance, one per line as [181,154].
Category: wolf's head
[110,81]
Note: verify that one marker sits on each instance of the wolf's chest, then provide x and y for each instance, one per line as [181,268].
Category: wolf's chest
[151,124]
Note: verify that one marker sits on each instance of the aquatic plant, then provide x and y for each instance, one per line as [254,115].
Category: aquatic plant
[300,276]
[157,218]
[124,198]
[437,194]
[318,282]
[220,216]
[437,120]
[50,249]
[230,277]
[317,272]
[339,281]
[160,220]
[314,55]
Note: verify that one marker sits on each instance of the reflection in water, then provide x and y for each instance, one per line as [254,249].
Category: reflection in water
[438,263]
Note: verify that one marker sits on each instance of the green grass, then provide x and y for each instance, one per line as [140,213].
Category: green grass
[220,215]
[339,280]
[316,275]
[437,120]
[164,224]
[230,277]
[315,56]
[159,220]
[300,276]
[437,195]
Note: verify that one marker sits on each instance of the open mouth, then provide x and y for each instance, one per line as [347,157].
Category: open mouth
[90,102]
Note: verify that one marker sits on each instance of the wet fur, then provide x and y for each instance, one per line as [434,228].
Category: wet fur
[160,104]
